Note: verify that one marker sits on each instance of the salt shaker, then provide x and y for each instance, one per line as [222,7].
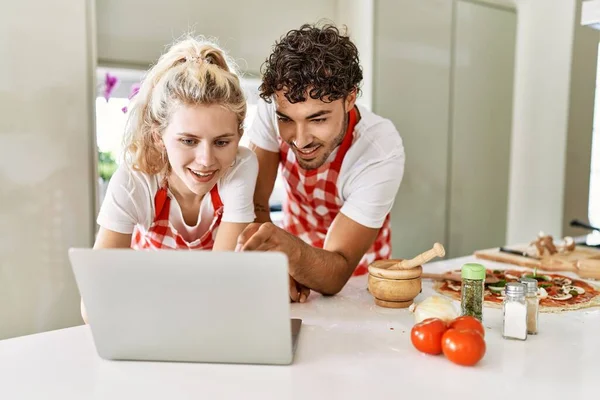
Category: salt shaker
[515,312]
[533,305]
[471,297]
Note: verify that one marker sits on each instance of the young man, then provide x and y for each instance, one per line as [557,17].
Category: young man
[341,164]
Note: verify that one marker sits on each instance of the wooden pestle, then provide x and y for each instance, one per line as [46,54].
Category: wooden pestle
[436,251]
[454,276]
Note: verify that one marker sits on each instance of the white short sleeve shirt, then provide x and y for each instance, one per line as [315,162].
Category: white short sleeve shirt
[130,195]
[371,171]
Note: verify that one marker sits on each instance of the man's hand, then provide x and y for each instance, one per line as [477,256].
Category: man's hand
[322,270]
[268,237]
[298,293]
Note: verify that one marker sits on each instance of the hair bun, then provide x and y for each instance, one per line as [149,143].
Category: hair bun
[212,55]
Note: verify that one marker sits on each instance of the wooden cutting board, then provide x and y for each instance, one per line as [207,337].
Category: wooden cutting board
[556,262]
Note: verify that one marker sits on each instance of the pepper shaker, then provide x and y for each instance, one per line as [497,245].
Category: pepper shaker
[533,304]
[473,278]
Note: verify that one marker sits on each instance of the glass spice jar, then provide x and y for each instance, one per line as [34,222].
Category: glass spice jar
[471,298]
[533,304]
[514,325]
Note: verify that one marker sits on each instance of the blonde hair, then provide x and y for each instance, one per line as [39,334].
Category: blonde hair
[193,71]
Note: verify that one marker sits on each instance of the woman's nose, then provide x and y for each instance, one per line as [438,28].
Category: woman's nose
[205,155]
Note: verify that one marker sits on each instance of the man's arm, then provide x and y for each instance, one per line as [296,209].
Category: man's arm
[324,270]
[346,243]
[268,162]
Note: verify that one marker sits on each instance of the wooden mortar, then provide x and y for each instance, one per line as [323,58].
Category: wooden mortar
[394,288]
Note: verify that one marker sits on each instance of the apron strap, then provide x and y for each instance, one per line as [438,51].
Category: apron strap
[162,204]
[348,138]
[216,198]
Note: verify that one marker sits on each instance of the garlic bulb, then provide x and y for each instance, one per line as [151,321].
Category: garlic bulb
[434,307]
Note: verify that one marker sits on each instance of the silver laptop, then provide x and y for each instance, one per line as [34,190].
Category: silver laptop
[190,306]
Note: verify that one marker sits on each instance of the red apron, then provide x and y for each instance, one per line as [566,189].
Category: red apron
[313,200]
[162,234]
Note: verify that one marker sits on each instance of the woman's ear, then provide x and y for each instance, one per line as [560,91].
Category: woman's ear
[157,139]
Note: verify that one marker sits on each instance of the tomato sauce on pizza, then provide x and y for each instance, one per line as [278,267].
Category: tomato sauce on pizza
[556,292]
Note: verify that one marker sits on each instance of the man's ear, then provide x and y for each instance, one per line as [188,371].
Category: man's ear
[350,100]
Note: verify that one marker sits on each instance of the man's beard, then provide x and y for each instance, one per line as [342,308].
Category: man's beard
[314,164]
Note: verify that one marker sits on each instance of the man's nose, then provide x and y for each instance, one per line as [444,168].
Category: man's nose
[303,138]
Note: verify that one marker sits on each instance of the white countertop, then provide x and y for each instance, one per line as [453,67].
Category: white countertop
[348,349]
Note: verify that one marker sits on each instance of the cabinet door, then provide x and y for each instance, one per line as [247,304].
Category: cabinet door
[411,88]
[481,124]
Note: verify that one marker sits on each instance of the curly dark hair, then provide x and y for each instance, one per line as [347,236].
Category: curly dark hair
[317,57]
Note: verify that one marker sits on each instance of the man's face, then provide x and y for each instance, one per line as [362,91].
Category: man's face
[312,128]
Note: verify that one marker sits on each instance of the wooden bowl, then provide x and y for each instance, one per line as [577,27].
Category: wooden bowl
[394,288]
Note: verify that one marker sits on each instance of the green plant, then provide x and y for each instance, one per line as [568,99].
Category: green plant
[106,165]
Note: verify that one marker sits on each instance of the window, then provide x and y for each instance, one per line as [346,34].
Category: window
[594,202]
[111,119]
[594,205]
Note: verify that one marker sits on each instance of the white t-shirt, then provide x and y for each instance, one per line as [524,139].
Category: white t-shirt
[371,171]
[130,199]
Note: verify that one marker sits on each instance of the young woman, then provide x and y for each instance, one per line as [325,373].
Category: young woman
[185,183]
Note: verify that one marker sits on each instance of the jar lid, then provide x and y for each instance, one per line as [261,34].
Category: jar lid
[473,271]
[530,283]
[515,288]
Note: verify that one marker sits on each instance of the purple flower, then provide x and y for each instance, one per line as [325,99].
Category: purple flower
[135,88]
[110,82]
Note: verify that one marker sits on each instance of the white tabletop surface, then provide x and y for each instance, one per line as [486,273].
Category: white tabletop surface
[348,349]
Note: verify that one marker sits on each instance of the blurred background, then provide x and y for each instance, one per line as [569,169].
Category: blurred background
[495,101]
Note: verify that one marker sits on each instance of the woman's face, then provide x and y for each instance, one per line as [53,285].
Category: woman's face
[201,143]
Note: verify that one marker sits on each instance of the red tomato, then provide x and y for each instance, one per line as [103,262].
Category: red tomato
[463,347]
[467,322]
[426,336]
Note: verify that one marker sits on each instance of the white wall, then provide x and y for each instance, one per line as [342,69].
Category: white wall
[45,160]
[358,17]
[247,29]
[553,117]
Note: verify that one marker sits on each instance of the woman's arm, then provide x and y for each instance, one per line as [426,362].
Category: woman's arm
[107,239]
[237,192]
[227,235]
[128,202]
